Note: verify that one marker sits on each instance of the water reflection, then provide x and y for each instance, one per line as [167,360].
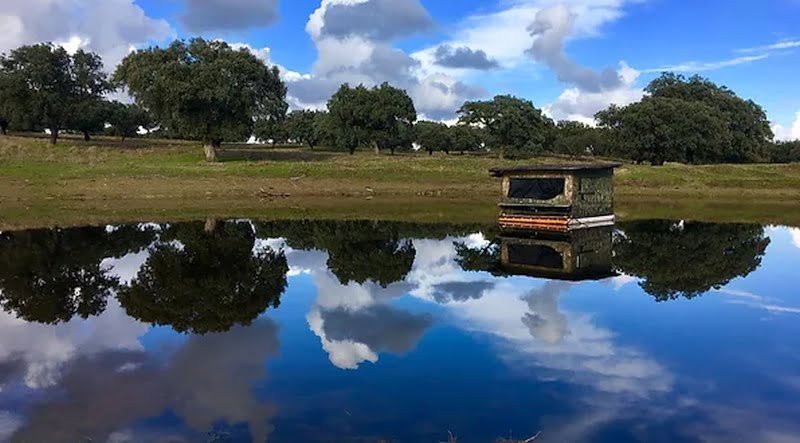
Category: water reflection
[49,276]
[205,278]
[363,331]
[687,259]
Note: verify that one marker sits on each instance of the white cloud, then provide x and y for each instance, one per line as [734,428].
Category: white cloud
[265,55]
[365,55]
[783,133]
[108,27]
[42,350]
[795,236]
[781,45]
[694,66]
[576,104]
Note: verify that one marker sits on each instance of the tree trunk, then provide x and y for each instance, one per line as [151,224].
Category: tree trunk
[391,150]
[430,151]
[53,136]
[352,151]
[212,151]
[377,149]
[502,153]
[211,225]
[86,136]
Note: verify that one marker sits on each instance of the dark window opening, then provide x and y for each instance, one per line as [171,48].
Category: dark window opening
[536,188]
[535,255]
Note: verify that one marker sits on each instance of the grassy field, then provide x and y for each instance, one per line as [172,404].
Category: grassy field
[106,180]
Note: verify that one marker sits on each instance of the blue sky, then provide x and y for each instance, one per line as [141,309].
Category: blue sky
[570,57]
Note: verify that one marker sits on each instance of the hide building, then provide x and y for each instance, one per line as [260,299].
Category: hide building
[557,197]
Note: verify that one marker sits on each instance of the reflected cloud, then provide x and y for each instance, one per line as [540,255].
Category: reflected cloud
[795,233]
[382,328]
[43,350]
[749,299]
[544,320]
[207,381]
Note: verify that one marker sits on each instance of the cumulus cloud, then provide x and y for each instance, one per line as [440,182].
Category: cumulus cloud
[464,57]
[783,133]
[375,19]
[576,104]
[228,15]
[527,33]
[550,29]
[356,50]
[109,27]
[265,55]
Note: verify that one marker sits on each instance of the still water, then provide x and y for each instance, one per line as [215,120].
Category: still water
[367,332]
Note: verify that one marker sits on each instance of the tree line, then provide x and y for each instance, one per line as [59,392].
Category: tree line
[211,92]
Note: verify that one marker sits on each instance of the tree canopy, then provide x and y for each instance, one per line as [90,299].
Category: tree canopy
[512,125]
[307,127]
[381,118]
[204,279]
[692,121]
[51,275]
[125,120]
[204,90]
[687,259]
[659,130]
[42,86]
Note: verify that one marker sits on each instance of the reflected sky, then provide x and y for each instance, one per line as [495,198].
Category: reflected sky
[664,351]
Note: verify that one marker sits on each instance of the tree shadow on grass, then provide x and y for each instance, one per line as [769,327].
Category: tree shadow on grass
[234,154]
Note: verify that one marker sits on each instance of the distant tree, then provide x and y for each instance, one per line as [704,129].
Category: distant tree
[274,130]
[512,125]
[127,119]
[381,117]
[51,275]
[349,121]
[747,122]
[89,117]
[204,279]
[687,259]
[204,90]
[3,125]
[433,136]
[577,139]
[392,118]
[465,138]
[42,85]
[89,113]
[306,126]
[659,130]
[784,152]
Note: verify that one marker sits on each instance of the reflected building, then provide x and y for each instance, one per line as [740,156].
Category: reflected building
[576,255]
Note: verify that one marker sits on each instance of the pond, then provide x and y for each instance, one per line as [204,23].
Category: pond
[291,331]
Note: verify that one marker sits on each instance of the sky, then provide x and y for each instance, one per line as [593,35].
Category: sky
[570,57]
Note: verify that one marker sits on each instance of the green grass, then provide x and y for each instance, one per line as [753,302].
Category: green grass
[106,180]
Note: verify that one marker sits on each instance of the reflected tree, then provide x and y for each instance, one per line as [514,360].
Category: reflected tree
[383,261]
[479,259]
[206,278]
[687,259]
[359,251]
[51,275]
